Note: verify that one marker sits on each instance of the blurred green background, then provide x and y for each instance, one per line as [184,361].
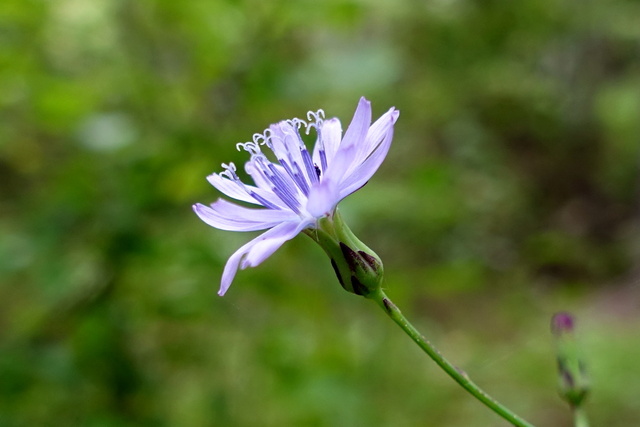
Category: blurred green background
[511,191]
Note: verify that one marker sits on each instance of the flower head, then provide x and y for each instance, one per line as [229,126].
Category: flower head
[299,188]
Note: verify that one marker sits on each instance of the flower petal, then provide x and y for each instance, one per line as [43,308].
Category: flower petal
[340,165]
[265,247]
[228,216]
[284,140]
[375,135]
[359,125]
[331,135]
[259,249]
[356,133]
[323,197]
[230,188]
[365,170]
[241,191]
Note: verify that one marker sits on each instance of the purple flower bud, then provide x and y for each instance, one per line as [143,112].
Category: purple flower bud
[573,381]
[562,322]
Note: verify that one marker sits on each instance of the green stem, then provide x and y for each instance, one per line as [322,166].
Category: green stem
[580,417]
[458,375]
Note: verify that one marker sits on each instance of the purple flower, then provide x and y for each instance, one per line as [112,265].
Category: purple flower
[300,188]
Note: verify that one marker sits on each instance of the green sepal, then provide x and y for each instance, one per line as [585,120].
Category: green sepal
[358,268]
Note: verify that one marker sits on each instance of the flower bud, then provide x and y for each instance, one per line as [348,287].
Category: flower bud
[572,377]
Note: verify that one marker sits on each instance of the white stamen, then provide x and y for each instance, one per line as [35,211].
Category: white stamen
[229,171]
[315,116]
[315,120]
[297,123]
[250,147]
[258,138]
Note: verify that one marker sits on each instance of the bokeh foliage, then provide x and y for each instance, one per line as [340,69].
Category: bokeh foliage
[510,192]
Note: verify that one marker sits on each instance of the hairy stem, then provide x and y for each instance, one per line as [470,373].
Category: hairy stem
[458,375]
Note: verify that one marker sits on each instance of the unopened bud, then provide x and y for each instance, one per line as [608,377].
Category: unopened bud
[573,381]
[562,323]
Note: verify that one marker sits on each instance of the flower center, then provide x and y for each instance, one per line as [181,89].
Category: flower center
[291,178]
